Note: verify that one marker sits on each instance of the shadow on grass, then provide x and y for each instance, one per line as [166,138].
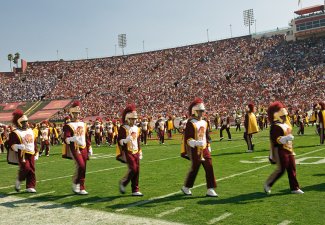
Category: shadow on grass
[241,199]
[319,175]
[147,203]
[316,187]
[306,146]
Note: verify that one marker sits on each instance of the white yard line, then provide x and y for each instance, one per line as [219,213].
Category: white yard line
[168,212]
[217,219]
[13,209]
[40,194]
[285,222]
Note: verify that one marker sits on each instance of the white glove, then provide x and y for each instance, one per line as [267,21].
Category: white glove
[140,155]
[209,148]
[78,140]
[90,151]
[70,139]
[285,139]
[126,140]
[194,143]
[17,147]
[36,156]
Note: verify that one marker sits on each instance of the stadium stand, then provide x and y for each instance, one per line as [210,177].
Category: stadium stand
[227,74]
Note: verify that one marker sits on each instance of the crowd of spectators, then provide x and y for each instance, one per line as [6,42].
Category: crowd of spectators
[226,74]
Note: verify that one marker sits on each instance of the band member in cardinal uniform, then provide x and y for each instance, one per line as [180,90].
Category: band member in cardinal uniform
[45,136]
[98,131]
[169,126]
[225,125]
[281,152]
[182,124]
[144,130]
[196,148]
[75,135]
[22,141]
[110,132]
[129,151]
[2,139]
[321,122]
[300,122]
[250,125]
[160,128]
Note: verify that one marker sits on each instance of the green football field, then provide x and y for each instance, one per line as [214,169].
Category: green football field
[240,178]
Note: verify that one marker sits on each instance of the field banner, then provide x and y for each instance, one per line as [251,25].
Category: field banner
[43,114]
[5,117]
[57,104]
[11,106]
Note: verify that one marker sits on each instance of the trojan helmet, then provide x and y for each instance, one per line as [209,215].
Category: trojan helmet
[196,105]
[18,117]
[129,113]
[275,111]
[75,108]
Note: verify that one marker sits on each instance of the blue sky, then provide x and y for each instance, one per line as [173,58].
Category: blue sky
[39,29]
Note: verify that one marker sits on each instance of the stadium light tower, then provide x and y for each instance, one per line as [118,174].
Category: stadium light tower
[122,41]
[248,18]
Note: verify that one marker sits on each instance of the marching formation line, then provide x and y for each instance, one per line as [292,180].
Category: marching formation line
[169,212]
[285,222]
[222,217]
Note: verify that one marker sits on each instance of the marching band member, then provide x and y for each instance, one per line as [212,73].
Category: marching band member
[250,125]
[281,152]
[98,131]
[321,122]
[22,142]
[129,151]
[182,124]
[300,123]
[109,132]
[238,120]
[150,127]
[160,129]
[196,148]
[75,135]
[45,136]
[116,127]
[2,139]
[225,125]
[169,126]
[144,130]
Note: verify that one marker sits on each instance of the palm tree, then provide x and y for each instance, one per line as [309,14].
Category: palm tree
[10,58]
[17,56]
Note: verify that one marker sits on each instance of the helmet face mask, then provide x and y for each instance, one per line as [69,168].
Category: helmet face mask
[131,117]
[75,115]
[23,122]
[281,115]
[198,109]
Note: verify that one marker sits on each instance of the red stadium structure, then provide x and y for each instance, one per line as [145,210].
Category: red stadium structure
[57,104]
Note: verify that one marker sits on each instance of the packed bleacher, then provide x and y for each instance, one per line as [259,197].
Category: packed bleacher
[227,74]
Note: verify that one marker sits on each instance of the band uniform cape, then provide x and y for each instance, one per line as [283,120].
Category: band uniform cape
[25,137]
[185,148]
[75,127]
[126,130]
[252,127]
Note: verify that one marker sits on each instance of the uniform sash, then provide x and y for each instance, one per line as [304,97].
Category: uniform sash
[252,124]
